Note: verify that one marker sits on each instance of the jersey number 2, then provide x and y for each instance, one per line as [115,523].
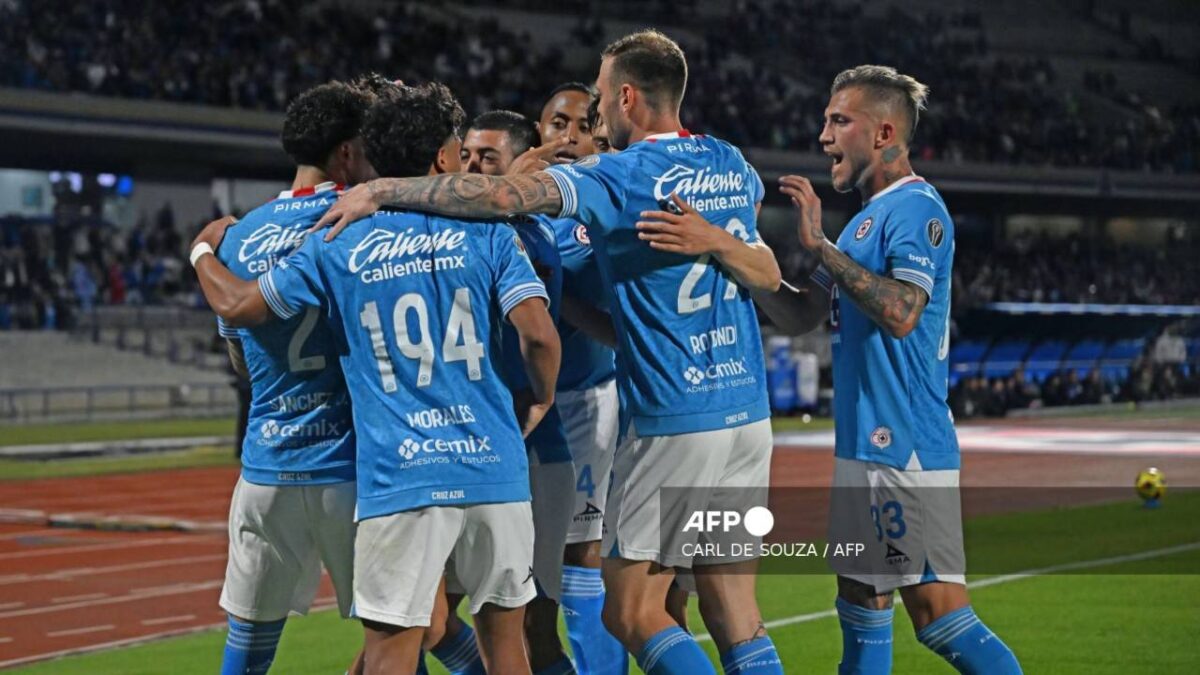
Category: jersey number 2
[686,303]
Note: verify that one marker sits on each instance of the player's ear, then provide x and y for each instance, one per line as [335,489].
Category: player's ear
[885,135]
[629,96]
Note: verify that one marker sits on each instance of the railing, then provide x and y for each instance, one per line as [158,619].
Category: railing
[116,402]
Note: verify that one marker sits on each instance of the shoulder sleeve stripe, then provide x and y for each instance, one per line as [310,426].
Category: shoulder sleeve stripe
[225,331]
[821,278]
[915,277]
[515,295]
[266,284]
[566,188]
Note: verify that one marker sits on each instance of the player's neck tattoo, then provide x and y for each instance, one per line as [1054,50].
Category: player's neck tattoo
[470,195]
[891,154]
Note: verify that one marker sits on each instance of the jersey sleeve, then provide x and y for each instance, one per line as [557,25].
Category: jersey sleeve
[226,331]
[593,188]
[917,241]
[822,278]
[295,282]
[515,278]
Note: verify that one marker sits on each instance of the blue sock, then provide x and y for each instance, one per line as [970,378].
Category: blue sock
[756,657]
[461,654]
[595,650]
[968,645]
[673,652]
[561,667]
[250,647]
[866,639]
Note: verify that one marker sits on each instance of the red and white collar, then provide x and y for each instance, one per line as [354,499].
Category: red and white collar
[668,135]
[911,178]
[309,191]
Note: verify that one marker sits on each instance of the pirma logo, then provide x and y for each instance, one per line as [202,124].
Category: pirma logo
[863,229]
[693,375]
[881,437]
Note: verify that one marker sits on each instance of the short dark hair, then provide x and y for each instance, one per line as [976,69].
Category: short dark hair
[407,125]
[887,85]
[376,84]
[569,86]
[593,112]
[653,63]
[322,118]
[522,132]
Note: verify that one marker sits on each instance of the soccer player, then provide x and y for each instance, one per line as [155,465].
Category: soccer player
[419,301]
[490,147]
[885,287]
[293,506]
[689,359]
[564,116]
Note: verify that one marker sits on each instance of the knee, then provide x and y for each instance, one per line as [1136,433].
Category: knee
[582,554]
[862,595]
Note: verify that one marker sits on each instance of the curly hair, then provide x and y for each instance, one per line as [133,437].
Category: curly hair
[406,126]
[320,119]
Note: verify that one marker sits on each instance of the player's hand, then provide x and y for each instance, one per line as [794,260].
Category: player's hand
[686,233]
[529,411]
[808,210]
[355,204]
[214,232]
[537,159]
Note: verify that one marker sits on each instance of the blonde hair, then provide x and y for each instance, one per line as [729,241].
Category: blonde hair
[886,85]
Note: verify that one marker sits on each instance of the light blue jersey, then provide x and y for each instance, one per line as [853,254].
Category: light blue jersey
[690,355]
[420,300]
[549,439]
[586,363]
[889,403]
[299,430]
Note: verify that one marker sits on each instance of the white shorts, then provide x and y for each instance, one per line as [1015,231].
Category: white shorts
[552,487]
[400,559]
[590,417]
[722,470]
[910,523]
[278,537]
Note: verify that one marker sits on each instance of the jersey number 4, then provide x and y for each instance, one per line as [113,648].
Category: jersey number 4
[687,303]
[460,343]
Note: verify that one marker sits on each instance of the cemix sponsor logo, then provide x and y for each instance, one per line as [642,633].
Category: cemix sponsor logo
[385,246]
[718,376]
[691,183]
[272,429]
[271,240]
[460,446]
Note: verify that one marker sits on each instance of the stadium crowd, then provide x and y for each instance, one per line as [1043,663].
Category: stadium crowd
[987,108]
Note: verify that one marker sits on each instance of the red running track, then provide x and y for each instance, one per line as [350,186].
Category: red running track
[66,590]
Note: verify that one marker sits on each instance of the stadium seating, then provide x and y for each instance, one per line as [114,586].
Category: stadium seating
[1120,355]
[965,358]
[1045,359]
[1005,357]
[1083,356]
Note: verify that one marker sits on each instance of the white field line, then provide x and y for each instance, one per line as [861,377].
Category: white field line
[1002,579]
[80,631]
[168,619]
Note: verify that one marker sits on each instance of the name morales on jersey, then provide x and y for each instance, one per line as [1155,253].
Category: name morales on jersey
[434,418]
[703,190]
[270,240]
[385,246]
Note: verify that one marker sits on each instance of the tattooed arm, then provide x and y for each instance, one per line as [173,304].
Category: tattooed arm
[462,195]
[894,305]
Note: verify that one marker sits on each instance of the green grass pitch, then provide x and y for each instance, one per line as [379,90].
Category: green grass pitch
[1131,617]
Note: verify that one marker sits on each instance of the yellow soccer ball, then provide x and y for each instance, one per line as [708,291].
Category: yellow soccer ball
[1150,484]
